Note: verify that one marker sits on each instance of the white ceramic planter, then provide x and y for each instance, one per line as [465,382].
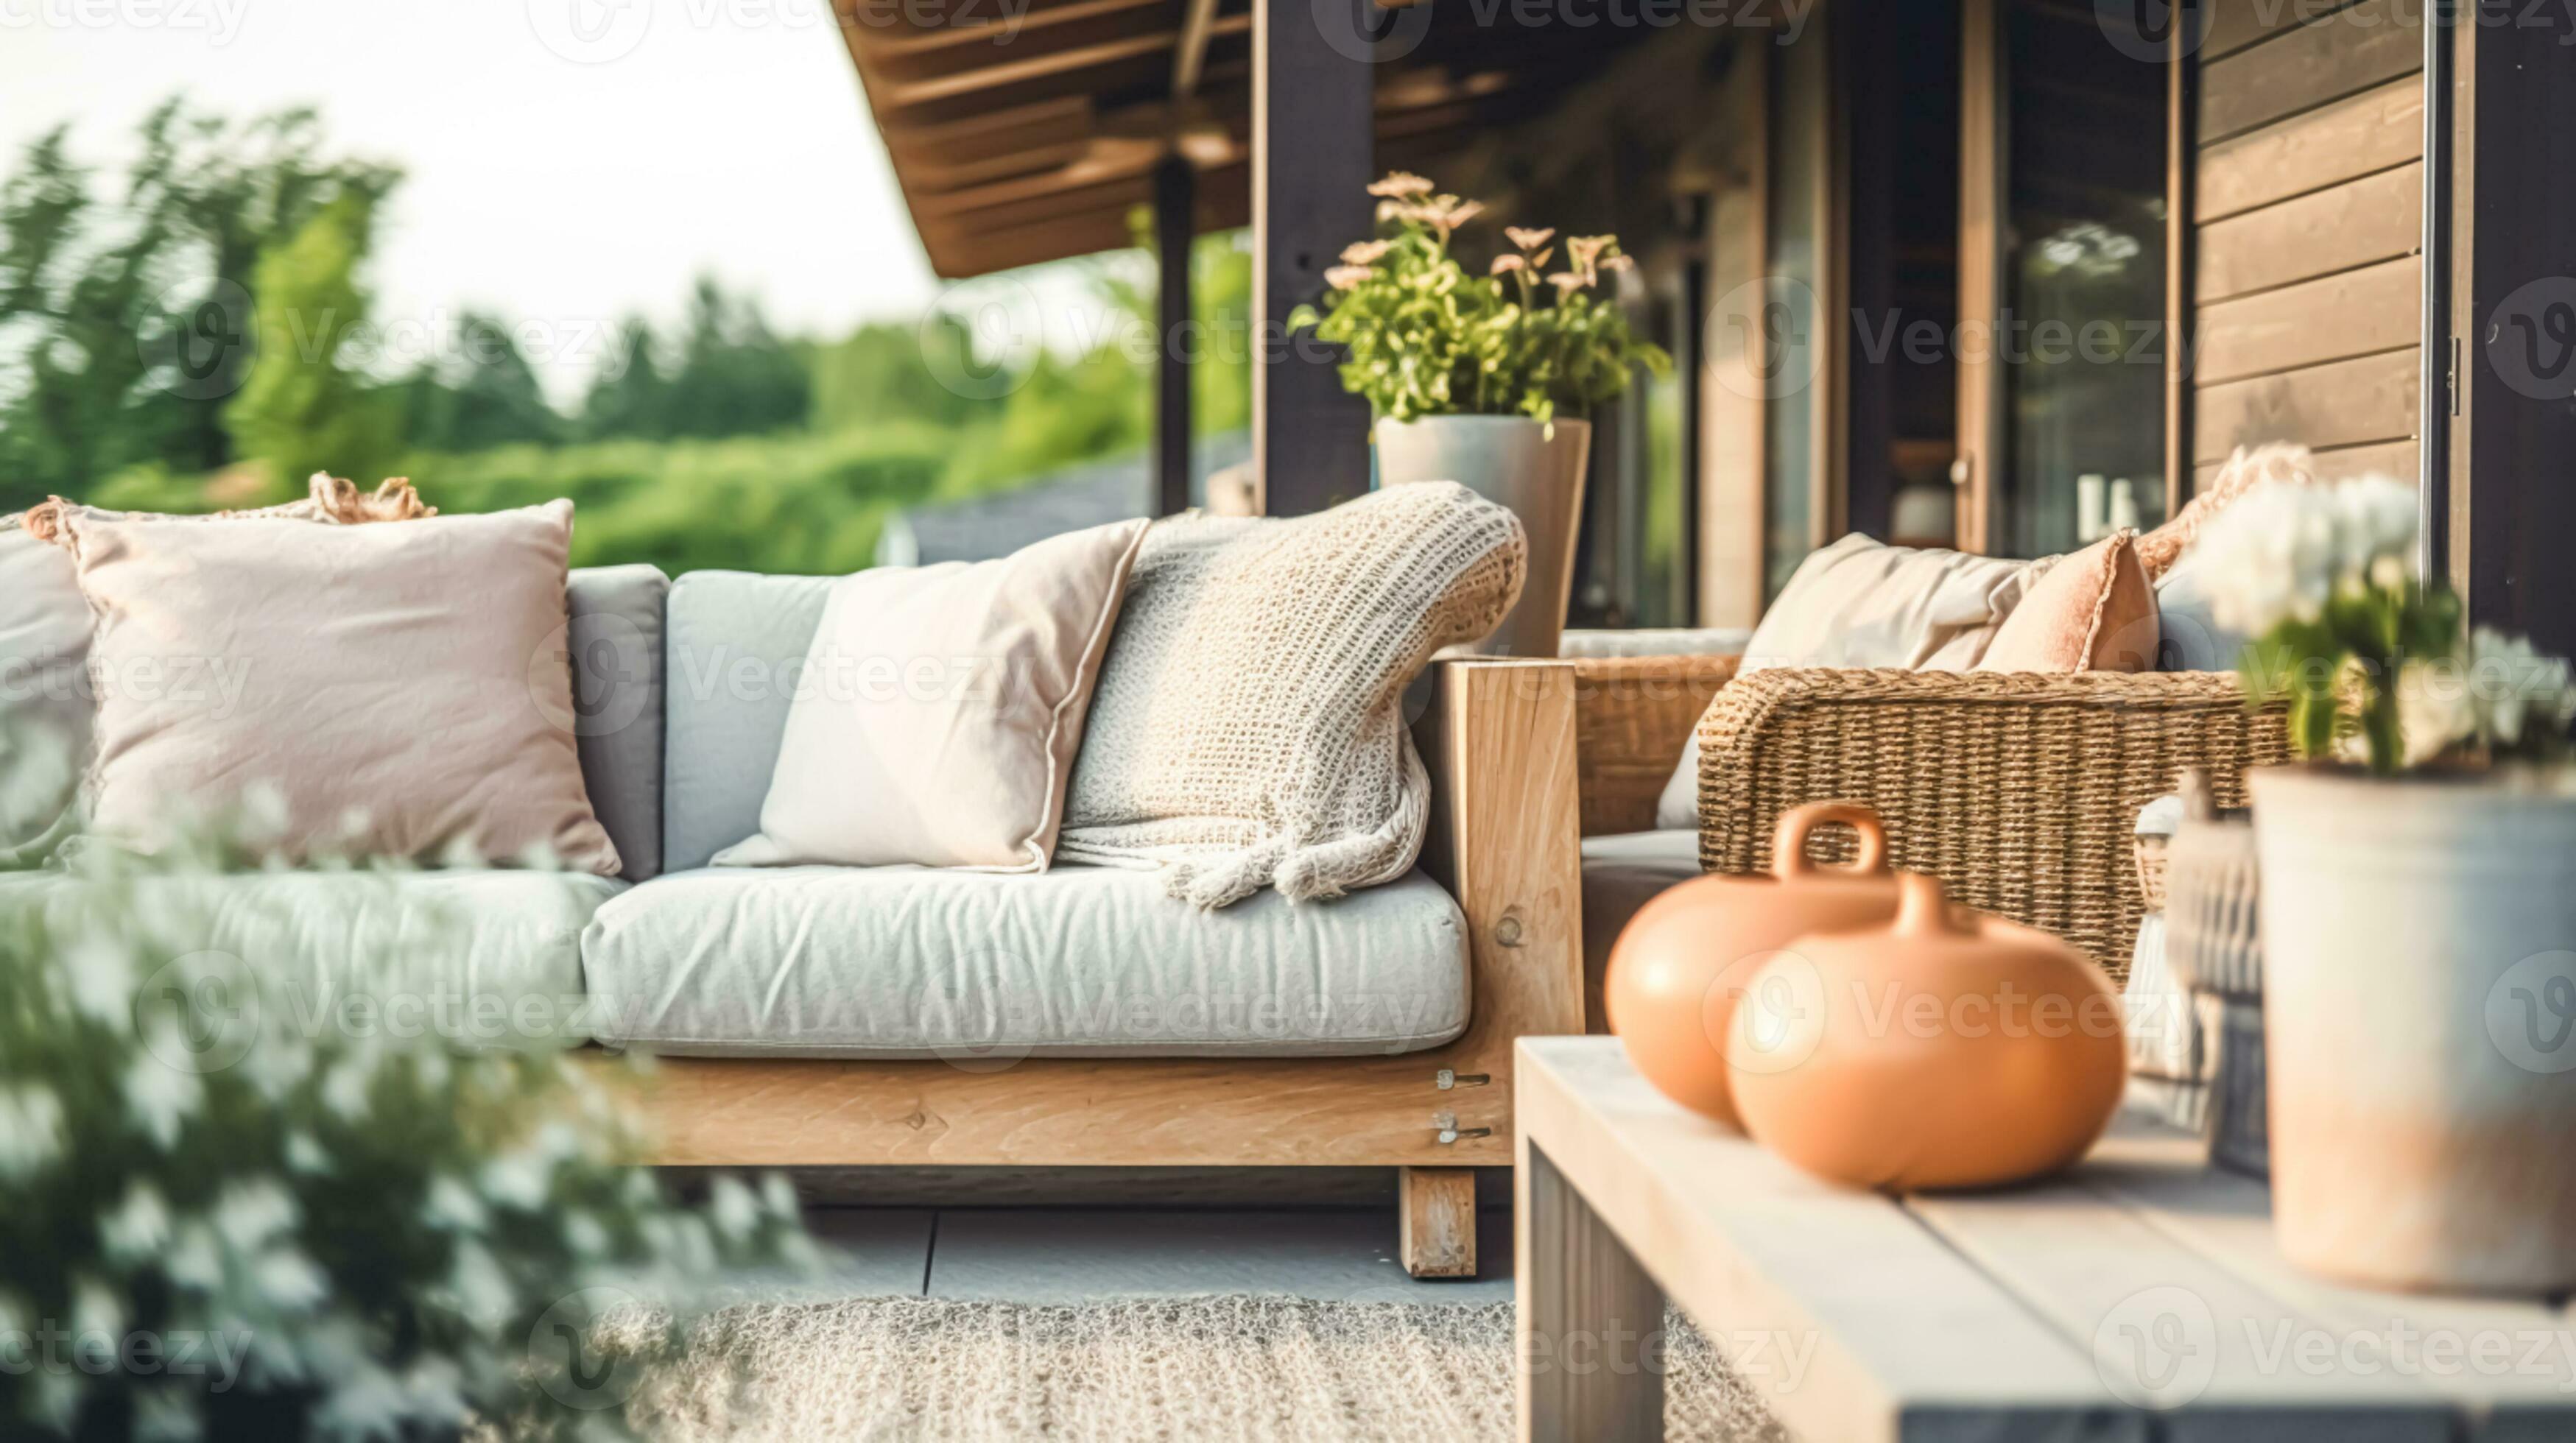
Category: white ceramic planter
[2419,946]
[1517,463]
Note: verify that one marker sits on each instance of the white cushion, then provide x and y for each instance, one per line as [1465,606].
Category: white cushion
[485,958]
[913,962]
[940,708]
[1863,603]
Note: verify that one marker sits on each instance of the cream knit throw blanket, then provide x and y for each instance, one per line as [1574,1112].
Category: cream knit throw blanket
[1249,727]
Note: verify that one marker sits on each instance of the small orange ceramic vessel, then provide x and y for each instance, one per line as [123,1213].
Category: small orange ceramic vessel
[1948,1050]
[1675,972]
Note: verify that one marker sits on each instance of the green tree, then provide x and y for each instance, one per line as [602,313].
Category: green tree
[125,329]
[630,397]
[488,397]
[736,377]
[306,406]
[883,370]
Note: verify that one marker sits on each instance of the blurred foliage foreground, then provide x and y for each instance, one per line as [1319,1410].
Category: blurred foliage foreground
[233,1207]
[201,334]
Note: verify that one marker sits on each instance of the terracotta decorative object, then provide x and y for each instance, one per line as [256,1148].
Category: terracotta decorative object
[1948,1050]
[2419,972]
[1675,973]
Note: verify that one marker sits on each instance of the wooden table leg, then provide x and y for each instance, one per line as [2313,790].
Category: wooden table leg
[1590,1322]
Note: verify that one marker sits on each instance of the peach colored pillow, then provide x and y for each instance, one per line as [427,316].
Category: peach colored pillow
[940,709]
[399,691]
[2159,549]
[2092,611]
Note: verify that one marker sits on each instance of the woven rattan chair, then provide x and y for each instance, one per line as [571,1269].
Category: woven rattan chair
[2019,790]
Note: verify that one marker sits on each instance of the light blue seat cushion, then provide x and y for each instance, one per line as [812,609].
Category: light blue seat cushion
[909,962]
[485,958]
[735,646]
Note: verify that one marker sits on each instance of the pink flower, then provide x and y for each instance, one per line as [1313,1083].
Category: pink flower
[1529,239]
[1400,184]
[1343,278]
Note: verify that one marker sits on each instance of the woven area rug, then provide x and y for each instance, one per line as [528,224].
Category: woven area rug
[1218,1368]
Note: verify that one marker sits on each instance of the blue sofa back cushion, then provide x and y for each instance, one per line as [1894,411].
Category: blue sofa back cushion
[615,640]
[734,646]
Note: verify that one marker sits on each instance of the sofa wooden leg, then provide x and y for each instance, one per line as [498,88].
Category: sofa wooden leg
[1436,1221]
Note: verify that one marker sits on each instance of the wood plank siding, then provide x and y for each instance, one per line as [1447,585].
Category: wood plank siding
[2307,211]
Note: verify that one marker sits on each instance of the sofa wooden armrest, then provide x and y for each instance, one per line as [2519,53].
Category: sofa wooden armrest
[2019,790]
[1632,716]
[1499,742]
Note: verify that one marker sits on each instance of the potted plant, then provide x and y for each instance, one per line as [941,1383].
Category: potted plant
[2418,906]
[1489,379]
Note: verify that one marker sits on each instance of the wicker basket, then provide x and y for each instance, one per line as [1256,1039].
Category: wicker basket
[2216,949]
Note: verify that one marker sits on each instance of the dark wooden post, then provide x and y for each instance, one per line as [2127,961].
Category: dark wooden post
[2512,503]
[1312,159]
[1175,227]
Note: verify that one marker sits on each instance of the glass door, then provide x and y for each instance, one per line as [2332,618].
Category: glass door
[2062,280]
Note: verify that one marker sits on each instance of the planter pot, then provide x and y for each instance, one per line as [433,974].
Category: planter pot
[1517,463]
[2419,957]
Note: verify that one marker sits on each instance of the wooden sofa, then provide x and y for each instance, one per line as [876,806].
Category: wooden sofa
[1499,740]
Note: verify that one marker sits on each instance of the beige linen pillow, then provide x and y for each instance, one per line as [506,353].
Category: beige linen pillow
[1863,603]
[2094,611]
[1249,728]
[940,708]
[400,690]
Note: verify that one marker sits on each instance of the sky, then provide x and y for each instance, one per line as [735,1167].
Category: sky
[568,161]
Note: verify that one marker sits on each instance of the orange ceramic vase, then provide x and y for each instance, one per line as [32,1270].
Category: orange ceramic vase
[1675,972]
[1948,1050]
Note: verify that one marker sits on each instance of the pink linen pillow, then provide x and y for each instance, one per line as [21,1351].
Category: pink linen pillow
[401,691]
[940,710]
[2092,611]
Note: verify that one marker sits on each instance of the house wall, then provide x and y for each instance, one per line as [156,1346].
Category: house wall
[2307,211]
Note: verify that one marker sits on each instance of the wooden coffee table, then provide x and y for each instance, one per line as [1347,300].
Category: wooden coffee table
[2139,1297]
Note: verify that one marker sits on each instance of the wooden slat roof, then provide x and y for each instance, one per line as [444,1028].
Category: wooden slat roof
[1033,141]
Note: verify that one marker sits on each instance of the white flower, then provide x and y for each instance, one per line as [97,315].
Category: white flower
[2512,688]
[31,1129]
[288,1281]
[735,1211]
[140,1226]
[247,1215]
[520,1180]
[2282,549]
[160,1096]
[453,1207]
[100,970]
[482,1289]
